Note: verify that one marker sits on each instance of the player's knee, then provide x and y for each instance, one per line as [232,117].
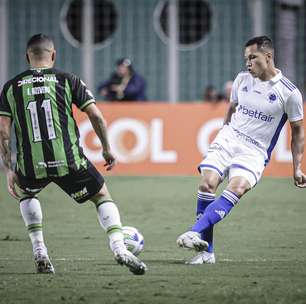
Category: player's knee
[239,190]
[209,182]
[208,185]
[239,186]
[102,195]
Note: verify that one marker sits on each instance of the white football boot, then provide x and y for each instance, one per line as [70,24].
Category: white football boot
[125,257]
[42,262]
[192,240]
[203,257]
[135,265]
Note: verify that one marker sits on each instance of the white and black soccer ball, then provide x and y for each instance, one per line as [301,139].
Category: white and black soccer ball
[133,239]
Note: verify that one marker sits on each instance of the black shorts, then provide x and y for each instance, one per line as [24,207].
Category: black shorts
[81,185]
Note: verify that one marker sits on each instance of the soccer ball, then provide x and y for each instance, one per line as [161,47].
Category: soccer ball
[133,239]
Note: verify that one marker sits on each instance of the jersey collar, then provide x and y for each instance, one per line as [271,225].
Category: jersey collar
[42,68]
[277,77]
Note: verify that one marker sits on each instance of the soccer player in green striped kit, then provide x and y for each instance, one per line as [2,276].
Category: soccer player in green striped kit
[39,104]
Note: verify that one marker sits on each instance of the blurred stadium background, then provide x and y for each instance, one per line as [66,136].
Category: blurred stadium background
[180,46]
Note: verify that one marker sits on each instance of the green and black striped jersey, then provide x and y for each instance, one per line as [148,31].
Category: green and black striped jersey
[39,101]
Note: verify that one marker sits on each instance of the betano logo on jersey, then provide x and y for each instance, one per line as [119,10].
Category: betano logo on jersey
[37,79]
[255,114]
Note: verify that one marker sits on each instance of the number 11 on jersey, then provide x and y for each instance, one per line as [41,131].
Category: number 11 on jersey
[46,105]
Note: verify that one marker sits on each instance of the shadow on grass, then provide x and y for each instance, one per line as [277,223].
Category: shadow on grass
[165,262]
[19,273]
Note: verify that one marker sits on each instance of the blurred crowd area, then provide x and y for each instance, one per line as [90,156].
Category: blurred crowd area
[91,35]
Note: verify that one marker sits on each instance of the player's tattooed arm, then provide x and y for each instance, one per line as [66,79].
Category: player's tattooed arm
[297,149]
[5,142]
[5,152]
[231,110]
[99,125]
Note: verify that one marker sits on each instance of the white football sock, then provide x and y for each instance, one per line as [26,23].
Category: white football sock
[32,215]
[109,219]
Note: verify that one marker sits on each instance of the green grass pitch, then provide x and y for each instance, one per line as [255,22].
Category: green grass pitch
[260,247]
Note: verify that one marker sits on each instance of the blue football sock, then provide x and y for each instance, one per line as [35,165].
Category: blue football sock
[216,211]
[205,199]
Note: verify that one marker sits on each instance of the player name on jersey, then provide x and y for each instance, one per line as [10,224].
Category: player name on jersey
[38,90]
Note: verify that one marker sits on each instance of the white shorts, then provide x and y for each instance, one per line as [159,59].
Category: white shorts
[230,156]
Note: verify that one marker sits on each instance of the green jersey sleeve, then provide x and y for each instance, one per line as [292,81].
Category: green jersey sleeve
[81,95]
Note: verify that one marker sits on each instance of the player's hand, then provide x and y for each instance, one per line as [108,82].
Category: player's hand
[12,182]
[300,179]
[110,161]
[103,92]
[116,88]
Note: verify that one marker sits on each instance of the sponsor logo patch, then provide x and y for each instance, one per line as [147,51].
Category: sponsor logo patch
[255,114]
[37,79]
[79,194]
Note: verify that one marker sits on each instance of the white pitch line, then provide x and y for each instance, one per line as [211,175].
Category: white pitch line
[176,260]
[56,259]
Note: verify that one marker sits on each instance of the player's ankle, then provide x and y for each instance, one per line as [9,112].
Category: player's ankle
[117,246]
[39,247]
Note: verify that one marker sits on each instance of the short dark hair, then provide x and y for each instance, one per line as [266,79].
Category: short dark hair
[126,62]
[263,43]
[39,44]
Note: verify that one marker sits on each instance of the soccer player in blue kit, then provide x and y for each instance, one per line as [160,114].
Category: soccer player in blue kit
[262,100]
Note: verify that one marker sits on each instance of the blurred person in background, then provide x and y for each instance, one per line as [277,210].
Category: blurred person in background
[39,103]
[124,84]
[210,94]
[262,100]
[226,94]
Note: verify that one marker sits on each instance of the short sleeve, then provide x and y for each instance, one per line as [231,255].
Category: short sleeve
[81,95]
[234,92]
[5,109]
[294,106]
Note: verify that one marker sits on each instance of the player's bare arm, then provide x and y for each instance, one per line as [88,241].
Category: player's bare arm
[5,151]
[5,140]
[297,148]
[230,111]
[99,125]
